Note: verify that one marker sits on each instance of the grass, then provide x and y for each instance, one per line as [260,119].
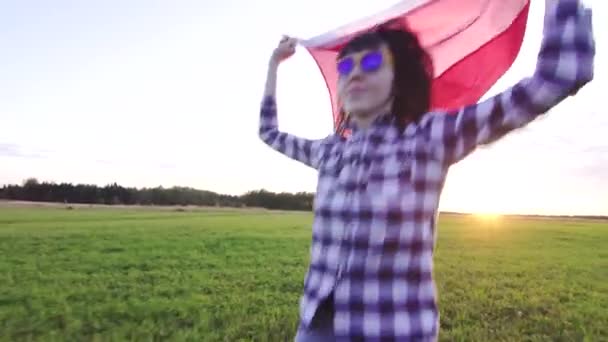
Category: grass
[126,274]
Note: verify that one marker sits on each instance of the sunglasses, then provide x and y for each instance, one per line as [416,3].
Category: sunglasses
[368,61]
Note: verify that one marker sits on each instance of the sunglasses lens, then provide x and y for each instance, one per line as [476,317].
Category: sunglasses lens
[371,61]
[345,66]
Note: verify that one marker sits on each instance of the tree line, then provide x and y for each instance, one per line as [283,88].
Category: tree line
[113,194]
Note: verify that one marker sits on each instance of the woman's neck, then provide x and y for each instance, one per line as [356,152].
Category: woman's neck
[364,121]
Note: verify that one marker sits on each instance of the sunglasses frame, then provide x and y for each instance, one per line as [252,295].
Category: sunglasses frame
[357,58]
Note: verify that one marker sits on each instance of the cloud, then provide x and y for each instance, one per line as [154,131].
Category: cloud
[12,150]
[140,163]
[600,151]
[594,165]
[16,151]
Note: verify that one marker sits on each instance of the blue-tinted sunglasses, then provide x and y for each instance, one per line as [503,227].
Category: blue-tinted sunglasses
[369,61]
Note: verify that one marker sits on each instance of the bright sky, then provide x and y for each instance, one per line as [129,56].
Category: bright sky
[150,92]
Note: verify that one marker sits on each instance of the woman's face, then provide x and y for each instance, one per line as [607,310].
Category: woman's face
[365,82]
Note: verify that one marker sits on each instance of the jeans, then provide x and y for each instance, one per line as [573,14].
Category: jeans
[322,326]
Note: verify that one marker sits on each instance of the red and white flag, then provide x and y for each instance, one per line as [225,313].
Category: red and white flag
[472,44]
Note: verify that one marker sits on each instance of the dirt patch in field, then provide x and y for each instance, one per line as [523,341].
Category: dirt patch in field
[187,208]
[27,204]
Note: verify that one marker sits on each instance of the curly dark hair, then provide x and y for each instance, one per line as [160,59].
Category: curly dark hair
[413,70]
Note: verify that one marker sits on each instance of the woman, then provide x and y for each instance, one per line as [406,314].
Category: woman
[371,262]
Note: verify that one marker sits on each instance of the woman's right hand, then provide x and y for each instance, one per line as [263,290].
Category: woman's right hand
[285,49]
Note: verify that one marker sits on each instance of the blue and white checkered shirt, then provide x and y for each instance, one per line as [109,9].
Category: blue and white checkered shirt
[378,190]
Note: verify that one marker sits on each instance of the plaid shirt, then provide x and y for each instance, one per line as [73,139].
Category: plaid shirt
[378,190]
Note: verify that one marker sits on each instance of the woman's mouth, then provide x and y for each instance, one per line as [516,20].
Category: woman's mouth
[356,90]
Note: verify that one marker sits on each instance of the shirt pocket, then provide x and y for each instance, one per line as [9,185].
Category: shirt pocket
[329,172]
[389,177]
[331,165]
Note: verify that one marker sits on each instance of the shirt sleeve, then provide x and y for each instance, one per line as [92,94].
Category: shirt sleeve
[307,151]
[564,65]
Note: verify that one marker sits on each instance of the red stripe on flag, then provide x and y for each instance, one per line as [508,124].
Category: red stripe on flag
[469,79]
[469,49]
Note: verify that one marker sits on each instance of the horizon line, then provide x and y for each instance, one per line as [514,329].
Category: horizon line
[313,193]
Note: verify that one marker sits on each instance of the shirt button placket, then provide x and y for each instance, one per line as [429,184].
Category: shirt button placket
[345,234]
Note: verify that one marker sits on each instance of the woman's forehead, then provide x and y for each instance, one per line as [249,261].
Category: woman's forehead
[362,49]
[360,43]
[382,48]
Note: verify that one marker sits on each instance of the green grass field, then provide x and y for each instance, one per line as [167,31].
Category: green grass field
[127,274]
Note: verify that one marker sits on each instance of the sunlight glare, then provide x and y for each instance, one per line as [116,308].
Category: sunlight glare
[489,217]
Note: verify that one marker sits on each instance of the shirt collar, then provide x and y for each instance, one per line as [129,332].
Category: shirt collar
[382,127]
[381,121]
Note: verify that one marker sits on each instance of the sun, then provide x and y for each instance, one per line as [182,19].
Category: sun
[488,217]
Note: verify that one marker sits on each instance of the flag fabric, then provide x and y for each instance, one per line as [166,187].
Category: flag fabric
[472,44]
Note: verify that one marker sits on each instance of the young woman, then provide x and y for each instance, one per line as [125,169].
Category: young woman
[371,260]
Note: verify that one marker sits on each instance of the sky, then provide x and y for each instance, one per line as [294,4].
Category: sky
[149,93]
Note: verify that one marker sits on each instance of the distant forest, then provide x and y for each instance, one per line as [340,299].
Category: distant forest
[35,191]
[113,194]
